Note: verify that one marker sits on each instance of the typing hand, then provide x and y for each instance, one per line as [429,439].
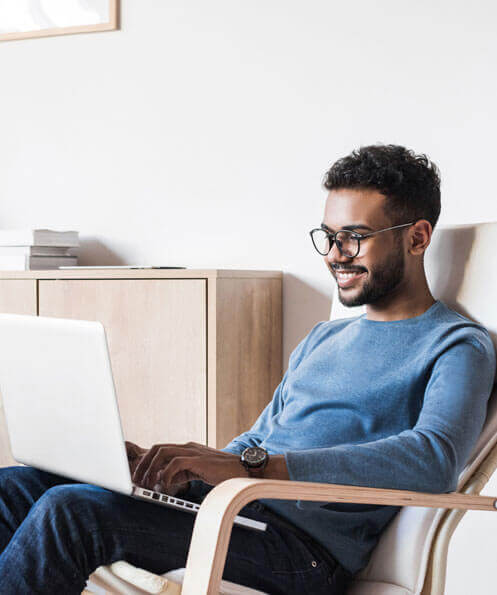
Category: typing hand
[169,468]
[135,455]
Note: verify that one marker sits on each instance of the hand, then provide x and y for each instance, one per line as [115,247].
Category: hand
[170,467]
[135,454]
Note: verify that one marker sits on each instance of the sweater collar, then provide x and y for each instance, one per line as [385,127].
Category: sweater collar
[404,321]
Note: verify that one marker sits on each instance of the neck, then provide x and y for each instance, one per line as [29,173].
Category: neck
[407,302]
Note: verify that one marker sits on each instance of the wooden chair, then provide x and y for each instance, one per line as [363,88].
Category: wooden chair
[411,556]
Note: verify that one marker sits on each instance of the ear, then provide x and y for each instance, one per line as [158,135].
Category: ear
[419,237]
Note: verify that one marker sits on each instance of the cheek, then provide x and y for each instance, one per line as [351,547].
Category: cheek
[373,258]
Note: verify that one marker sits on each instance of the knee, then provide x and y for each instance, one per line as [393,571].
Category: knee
[13,479]
[57,516]
[68,497]
[77,505]
[7,473]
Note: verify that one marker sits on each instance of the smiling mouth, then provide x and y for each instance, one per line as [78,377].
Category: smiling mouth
[347,279]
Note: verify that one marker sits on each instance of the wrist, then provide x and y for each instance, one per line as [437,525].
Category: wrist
[276,468]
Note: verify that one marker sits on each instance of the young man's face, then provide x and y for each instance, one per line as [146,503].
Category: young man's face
[380,263]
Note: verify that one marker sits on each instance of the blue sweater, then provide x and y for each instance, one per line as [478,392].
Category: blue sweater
[396,404]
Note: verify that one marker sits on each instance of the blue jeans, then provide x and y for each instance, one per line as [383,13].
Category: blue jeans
[55,532]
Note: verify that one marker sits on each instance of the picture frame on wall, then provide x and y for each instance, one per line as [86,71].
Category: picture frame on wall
[21,19]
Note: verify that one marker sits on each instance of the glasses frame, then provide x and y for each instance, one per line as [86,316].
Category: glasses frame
[356,235]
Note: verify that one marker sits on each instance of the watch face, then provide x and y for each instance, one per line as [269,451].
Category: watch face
[254,455]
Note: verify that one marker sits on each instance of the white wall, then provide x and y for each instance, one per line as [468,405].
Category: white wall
[198,135]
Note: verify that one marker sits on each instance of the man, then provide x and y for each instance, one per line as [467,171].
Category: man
[395,398]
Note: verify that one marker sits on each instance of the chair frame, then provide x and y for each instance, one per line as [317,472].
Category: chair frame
[213,525]
[434,583]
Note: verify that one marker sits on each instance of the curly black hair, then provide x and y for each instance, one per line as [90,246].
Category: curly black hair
[409,182]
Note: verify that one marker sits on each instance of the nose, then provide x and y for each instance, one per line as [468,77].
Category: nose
[335,256]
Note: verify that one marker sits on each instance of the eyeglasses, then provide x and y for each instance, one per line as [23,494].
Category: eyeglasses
[348,242]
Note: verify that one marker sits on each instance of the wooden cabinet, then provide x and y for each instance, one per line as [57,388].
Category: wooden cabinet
[158,359]
[196,355]
[18,296]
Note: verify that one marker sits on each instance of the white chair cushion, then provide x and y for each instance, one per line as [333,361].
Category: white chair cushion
[359,587]
[134,581]
[376,588]
[227,587]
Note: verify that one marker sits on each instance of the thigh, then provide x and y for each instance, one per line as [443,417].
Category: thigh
[276,560]
[107,527]
[103,527]
[20,488]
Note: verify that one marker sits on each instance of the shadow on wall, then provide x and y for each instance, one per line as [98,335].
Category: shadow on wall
[459,271]
[303,307]
[93,252]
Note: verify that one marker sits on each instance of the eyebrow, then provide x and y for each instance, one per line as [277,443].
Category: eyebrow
[349,227]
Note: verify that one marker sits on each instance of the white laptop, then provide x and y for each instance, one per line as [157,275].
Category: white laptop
[61,408]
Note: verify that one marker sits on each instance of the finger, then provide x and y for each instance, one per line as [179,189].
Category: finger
[169,451]
[133,450]
[145,462]
[161,459]
[191,448]
[178,471]
[133,463]
[143,470]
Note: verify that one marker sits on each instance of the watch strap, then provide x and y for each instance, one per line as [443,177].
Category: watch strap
[257,472]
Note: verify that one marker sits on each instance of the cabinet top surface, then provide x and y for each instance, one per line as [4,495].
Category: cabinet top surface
[111,273]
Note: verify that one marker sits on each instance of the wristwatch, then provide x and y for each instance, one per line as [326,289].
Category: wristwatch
[254,459]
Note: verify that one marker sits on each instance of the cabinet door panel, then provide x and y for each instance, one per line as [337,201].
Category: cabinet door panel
[156,332]
[17,296]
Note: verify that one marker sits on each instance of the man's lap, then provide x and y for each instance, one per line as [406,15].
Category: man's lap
[158,537]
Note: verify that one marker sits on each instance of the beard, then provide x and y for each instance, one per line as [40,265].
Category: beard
[382,281]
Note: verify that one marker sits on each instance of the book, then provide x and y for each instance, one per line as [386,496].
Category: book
[30,263]
[37,251]
[38,237]
[120,266]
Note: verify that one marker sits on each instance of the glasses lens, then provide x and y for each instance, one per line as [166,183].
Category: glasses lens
[321,241]
[347,243]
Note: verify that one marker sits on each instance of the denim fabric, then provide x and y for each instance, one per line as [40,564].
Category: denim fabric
[55,532]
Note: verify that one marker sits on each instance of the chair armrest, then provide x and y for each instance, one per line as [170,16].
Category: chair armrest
[212,529]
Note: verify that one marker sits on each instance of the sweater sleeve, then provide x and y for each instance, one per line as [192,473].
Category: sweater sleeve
[257,432]
[430,456]
[260,429]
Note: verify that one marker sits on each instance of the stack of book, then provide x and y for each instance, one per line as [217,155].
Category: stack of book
[31,249]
